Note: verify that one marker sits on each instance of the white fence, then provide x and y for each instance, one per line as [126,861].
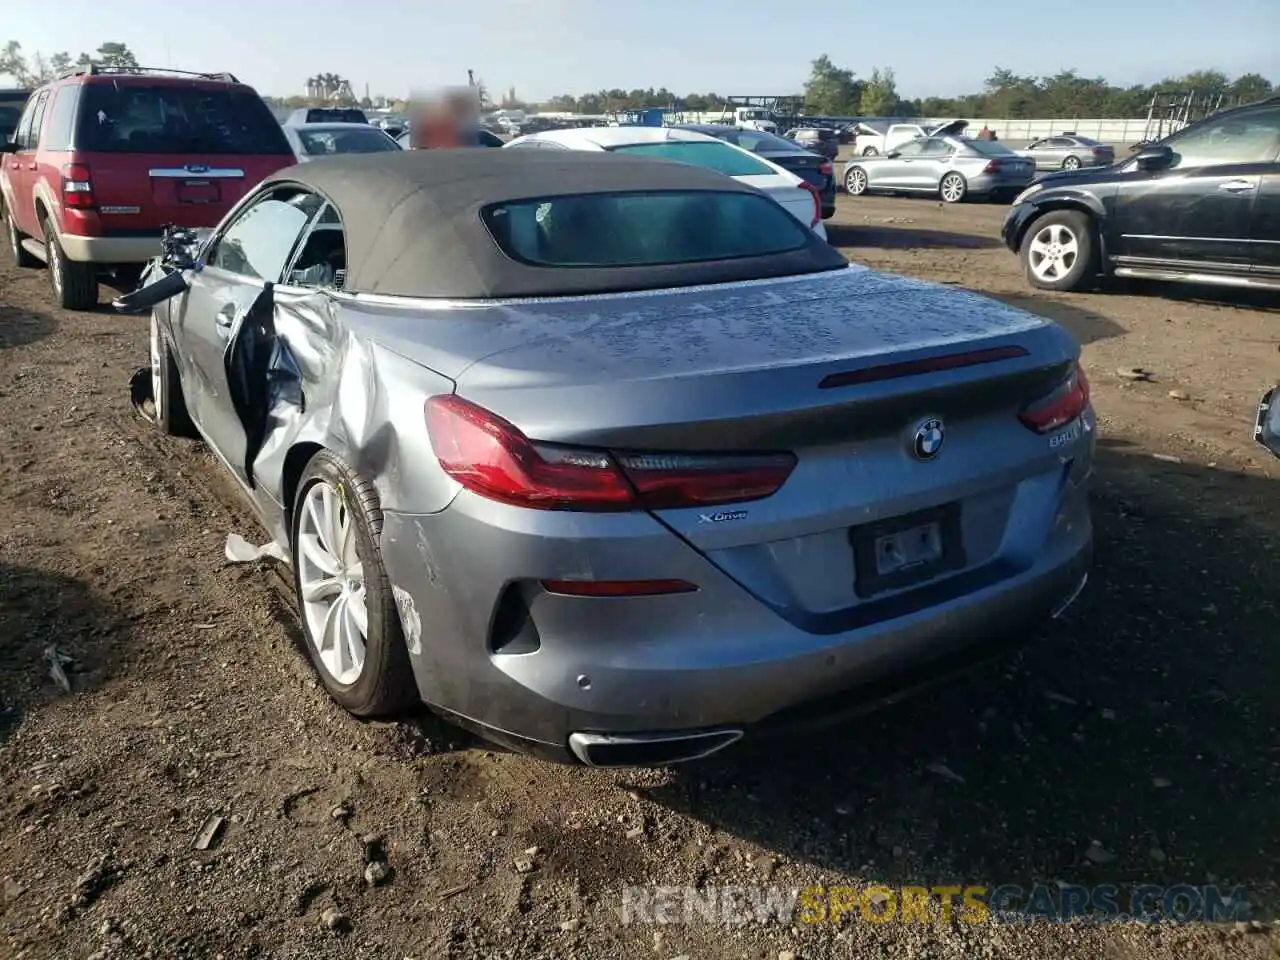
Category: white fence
[1108,131]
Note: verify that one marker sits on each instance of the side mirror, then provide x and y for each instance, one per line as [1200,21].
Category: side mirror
[1267,428]
[1154,158]
[893,155]
[8,146]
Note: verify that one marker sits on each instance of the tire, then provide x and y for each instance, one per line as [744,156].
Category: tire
[1071,163]
[166,387]
[870,152]
[1064,236]
[21,256]
[383,685]
[75,285]
[856,182]
[952,188]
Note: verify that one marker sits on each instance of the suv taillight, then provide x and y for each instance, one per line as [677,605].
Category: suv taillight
[77,187]
[1066,402]
[816,196]
[493,459]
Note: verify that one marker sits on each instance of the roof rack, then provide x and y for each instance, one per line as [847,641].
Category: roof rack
[100,69]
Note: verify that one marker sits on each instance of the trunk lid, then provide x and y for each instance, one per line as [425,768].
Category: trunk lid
[807,167]
[804,365]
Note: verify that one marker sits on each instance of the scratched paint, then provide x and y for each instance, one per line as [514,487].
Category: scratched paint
[409,619]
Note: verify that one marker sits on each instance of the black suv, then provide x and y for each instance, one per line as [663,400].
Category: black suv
[11,104]
[1202,205]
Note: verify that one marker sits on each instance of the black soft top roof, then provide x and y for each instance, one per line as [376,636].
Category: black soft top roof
[413,227]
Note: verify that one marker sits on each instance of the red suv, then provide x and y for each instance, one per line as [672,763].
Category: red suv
[102,159]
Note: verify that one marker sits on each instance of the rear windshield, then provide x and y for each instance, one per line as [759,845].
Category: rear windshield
[324,143]
[714,156]
[989,148]
[129,118]
[642,229]
[758,141]
[336,115]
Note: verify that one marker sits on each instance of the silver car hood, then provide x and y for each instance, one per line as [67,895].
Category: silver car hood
[688,332]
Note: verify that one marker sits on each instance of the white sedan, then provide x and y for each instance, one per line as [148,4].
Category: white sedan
[313,140]
[800,198]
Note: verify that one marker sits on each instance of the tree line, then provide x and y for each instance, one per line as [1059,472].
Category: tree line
[831,90]
[37,69]
[836,91]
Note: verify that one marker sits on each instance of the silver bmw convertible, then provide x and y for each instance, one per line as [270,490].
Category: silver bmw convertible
[609,458]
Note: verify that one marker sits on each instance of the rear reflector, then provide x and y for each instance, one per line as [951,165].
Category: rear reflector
[617,588]
[913,368]
[493,459]
[1064,404]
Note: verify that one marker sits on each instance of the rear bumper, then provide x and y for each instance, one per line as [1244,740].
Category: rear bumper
[652,666]
[988,184]
[110,249]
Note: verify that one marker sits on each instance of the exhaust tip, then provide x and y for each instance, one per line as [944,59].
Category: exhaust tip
[649,749]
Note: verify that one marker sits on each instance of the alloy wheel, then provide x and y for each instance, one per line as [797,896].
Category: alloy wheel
[1053,252]
[952,188]
[331,581]
[157,385]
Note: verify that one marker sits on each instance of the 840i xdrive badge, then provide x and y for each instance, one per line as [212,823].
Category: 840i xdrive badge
[720,516]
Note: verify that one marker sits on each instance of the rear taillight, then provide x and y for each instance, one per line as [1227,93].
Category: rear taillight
[1064,404]
[816,196]
[826,168]
[77,187]
[993,166]
[493,459]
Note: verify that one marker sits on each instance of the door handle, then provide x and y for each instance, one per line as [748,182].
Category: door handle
[1237,186]
[226,317]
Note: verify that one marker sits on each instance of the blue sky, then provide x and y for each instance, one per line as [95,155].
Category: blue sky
[545,47]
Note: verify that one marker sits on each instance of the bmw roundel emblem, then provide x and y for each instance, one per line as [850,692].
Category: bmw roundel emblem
[928,439]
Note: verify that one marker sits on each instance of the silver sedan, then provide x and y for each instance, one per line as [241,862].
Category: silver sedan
[952,168]
[1068,152]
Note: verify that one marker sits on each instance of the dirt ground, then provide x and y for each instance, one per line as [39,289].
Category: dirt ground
[1132,742]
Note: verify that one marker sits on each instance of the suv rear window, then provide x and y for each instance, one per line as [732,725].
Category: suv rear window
[642,229]
[714,156]
[336,115]
[324,142]
[136,118]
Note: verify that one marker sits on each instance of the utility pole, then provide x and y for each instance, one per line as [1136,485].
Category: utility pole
[471,78]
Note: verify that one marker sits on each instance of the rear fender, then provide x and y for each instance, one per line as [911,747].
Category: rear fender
[302,381]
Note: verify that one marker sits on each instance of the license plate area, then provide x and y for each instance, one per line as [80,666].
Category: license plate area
[904,551]
[198,191]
